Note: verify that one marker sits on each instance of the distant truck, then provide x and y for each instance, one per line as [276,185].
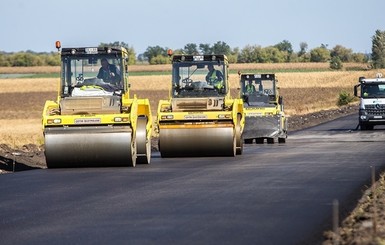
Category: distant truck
[263,109]
[371,92]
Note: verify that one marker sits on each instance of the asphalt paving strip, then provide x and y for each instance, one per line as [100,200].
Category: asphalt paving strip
[244,199]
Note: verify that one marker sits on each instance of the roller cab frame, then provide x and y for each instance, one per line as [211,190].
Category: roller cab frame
[93,121]
[200,118]
[264,109]
[371,92]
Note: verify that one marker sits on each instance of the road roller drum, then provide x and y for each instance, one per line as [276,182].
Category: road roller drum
[209,141]
[91,146]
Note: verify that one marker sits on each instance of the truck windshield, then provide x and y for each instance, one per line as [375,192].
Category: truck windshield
[91,71]
[373,90]
[198,80]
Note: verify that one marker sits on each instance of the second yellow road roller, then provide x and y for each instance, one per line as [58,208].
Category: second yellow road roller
[200,118]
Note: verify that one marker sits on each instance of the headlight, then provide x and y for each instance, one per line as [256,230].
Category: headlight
[363,112]
[121,119]
[54,121]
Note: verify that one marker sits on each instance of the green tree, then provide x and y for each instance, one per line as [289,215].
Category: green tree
[320,54]
[344,54]
[378,49]
[141,58]
[155,51]
[115,44]
[360,58]
[344,98]
[302,49]
[233,56]
[271,55]
[4,60]
[178,51]
[191,48]
[159,59]
[285,47]
[52,59]
[205,48]
[25,59]
[335,63]
[221,48]
[249,54]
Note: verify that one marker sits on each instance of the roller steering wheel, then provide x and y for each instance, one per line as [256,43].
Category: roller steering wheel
[268,91]
[187,80]
[79,78]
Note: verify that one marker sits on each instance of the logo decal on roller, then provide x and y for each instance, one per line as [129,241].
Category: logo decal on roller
[87,120]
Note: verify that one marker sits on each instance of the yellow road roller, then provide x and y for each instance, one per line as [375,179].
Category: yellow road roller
[94,122]
[200,118]
[264,111]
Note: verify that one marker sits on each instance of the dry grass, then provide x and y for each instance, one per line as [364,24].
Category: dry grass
[286,80]
[26,85]
[22,99]
[321,79]
[293,66]
[162,82]
[19,132]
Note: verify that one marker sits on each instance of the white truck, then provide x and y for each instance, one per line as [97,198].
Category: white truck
[371,92]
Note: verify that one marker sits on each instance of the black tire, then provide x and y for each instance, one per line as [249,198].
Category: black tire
[270,140]
[366,127]
[248,141]
[259,140]
[281,140]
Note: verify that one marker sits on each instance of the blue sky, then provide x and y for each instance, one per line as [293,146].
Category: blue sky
[36,24]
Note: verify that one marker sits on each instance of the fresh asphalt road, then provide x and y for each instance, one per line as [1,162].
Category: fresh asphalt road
[272,194]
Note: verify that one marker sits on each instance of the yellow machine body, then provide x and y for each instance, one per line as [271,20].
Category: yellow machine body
[200,118]
[263,109]
[94,122]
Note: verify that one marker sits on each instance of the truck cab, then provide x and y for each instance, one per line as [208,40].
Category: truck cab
[371,92]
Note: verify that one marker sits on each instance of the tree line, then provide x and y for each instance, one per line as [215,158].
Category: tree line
[278,53]
[29,58]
